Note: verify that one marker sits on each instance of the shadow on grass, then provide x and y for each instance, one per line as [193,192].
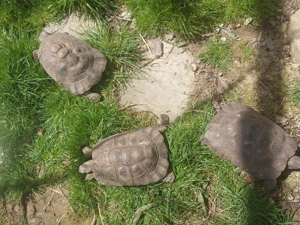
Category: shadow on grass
[270,98]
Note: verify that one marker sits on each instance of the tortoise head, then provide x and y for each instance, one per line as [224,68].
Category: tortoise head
[86,167]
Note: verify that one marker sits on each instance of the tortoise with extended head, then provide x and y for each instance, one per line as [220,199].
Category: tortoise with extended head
[132,158]
[252,142]
[71,62]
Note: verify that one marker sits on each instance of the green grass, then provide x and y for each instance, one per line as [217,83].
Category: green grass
[242,203]
[42,125]
[259,11]
[89,8]
[217,54]
[187,19]
[122,48]
[184,18]
[36,14]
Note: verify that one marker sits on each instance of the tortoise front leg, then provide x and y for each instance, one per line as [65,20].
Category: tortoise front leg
[95,97]
[87,151]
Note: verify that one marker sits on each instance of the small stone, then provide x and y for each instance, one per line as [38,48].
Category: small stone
[126,15]
[223,39]
[237,62]
[290,197]
[238,25]
[194,67]
[208,79]
[248,21]
[230,27]
[156,47]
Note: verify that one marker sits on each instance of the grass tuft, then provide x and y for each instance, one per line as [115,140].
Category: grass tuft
[184,18]
[95,9]
[122,49]
[259,11]
[217,54]
[295,92]
[248,52]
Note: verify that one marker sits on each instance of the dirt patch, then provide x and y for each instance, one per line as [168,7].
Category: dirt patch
[50,207]
[166,85]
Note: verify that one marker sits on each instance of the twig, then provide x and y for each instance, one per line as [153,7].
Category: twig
[145,43]
[100,214]
[59,192]
[120,18]
[60,219]
[94,221]
[265,86]
[222,82]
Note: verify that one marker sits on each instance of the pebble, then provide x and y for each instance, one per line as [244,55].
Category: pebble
[194,67]
[248,21]
[223,39]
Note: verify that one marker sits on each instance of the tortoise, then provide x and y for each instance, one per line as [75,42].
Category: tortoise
[137,157]
[71,62]
[251,142]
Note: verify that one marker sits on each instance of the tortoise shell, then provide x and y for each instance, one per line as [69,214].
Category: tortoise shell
[132,158]
[250,141]
[71,62]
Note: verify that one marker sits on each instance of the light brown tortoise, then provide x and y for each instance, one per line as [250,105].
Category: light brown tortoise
[137,157]
[252,142]
[71,62]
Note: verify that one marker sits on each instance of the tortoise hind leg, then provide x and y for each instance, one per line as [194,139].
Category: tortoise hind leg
[95,97]
[169,178]
[294,163]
